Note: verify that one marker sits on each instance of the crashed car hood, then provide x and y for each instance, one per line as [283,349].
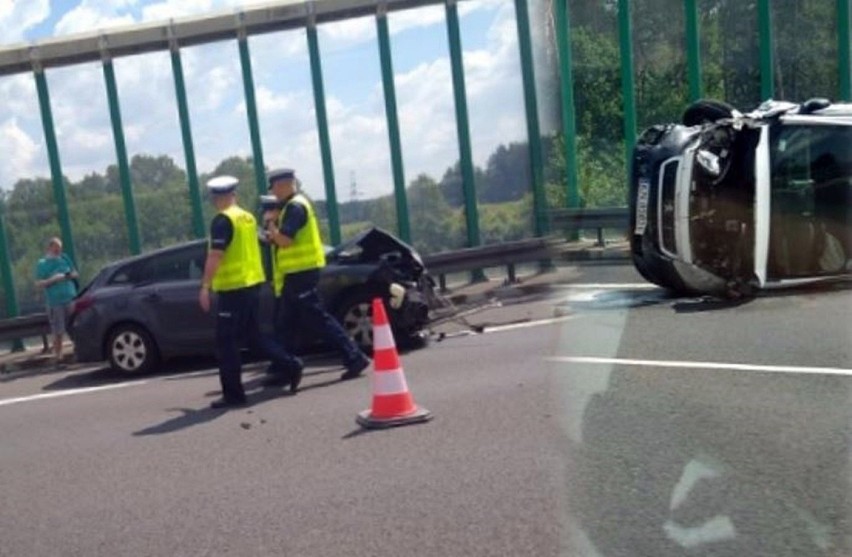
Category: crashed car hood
[375,245]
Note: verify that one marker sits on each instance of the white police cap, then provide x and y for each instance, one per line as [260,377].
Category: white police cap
[222,184]
[279,174]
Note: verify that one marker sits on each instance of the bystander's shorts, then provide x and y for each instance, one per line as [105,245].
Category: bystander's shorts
[58,315]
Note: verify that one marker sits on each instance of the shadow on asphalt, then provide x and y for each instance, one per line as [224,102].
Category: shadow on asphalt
[108,376]
[256,393]
[711,303]
[174,370]
[196,416]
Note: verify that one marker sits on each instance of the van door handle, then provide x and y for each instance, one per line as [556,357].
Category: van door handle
[153,297]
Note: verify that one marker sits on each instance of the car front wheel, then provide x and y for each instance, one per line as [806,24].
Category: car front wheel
[355,313]
[131,349]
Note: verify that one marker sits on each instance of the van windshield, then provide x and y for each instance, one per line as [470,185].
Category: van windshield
[811,196]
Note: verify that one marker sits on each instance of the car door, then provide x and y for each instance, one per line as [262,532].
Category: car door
[170,300]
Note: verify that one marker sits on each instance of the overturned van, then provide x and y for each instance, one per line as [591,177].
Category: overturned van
[725,202]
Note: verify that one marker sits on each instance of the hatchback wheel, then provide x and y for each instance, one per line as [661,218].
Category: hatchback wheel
[131,349]
[356,316]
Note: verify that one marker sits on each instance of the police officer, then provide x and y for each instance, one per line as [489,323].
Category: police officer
[299,255]
[234,271]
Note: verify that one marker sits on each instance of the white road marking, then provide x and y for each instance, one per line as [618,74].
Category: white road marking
[528,324]
[611,286]
[69,392]
[85,390]
[701,365]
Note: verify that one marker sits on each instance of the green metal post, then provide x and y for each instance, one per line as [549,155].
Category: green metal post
[569,115]
[522,19]
[393,125]
[324,138]
[693,50]
[55,166]
[627,83]
[767,64]
[198,227]
[12,309]
[121,154]
[251,112]
[844,45]
[471,211]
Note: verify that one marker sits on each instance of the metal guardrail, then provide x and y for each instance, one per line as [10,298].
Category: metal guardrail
[496,255]
[587,219]
[25,326]
[526,251]
[506,254]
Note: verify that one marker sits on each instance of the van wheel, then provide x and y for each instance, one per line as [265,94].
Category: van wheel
[706,110]
[131,349]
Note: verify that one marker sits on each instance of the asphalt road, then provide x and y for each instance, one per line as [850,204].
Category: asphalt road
[604,419]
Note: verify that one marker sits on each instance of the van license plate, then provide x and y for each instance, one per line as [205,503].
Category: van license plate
[642,206]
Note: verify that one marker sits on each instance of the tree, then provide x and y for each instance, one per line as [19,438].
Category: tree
[433,226]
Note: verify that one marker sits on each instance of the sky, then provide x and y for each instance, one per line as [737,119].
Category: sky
[284,95]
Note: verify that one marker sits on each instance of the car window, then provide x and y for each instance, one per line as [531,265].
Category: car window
[811,184]
[131,273]
[185,264]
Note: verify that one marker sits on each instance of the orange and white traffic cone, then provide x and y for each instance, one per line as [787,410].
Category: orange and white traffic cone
[393,404]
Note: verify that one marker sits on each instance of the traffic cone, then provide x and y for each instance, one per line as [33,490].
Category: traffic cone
[393,404]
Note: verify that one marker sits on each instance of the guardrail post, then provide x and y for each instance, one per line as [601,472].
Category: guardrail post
[767,58]
[251,108]
[628,87]
[471,211]
[693,49]
[8,279]
[120,151]
[844,58]
[198,227]
[393,124]
[510,270]
[542,226]
[53,156]
[569,116]
[322,127]
[522,20]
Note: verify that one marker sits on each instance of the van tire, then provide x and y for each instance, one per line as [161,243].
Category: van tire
[706,111]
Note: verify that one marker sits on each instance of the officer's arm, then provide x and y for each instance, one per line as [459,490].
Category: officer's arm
[214,259]
[293,220]
[279,238]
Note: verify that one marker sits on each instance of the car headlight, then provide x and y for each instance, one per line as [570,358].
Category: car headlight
[397,295]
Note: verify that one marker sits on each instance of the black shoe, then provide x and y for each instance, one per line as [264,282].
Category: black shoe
[277,379]
[296,378]
[354,370]
[228,403]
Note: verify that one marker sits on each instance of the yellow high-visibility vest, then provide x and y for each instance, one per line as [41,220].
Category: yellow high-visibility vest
[305,253]
[241,264]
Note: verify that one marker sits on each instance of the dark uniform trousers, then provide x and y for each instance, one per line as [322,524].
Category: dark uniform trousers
[299,307]
[237,324]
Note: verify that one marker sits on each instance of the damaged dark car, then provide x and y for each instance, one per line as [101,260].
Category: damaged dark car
[726,203]
[139,311]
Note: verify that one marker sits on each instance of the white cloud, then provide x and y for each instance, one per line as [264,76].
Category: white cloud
[91,15]
[23,149]
[19,16]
